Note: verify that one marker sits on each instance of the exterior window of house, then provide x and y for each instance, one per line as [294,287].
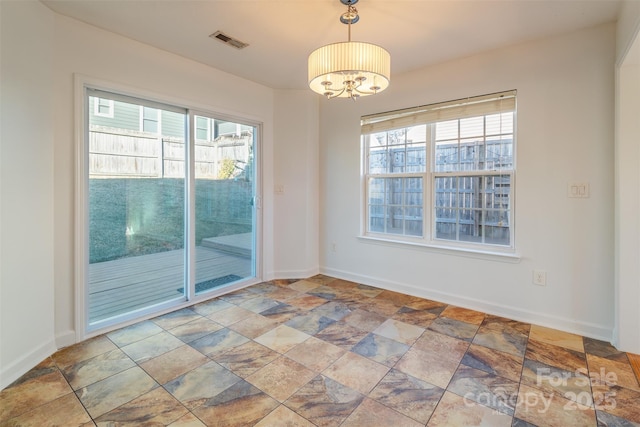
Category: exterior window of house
[150,119]
[443,174]
[202,128]
[103,107]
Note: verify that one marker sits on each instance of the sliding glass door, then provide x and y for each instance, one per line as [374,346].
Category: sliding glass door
[171,209]
[224,171]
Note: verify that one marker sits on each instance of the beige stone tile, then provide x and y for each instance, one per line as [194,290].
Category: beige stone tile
[397,298]
[210,307]
[463,314]
[422,318]
[176,318]
[64,411]
[315,354]
[151,347]
[493,361]
[434,368]
[378,305]
[281,378]
[342,335]
[156,407]
[408,395]
[283,294]
[372,413]
[195,329]
[240,296]
[555,337]
[503,337]
[259,304]
[487,389]
[218,342]
[133,333]
[240,405]
[187,420]
[439,344]
[381,349]
[365,320]
[618,401]
[83,351]
[254,326]
[612,373]
[454,410]
[433,307]
[247,358]
[306,302]
[368,291]
[20,398]
[283,416]
[324,402]
[106,395]
[230,315]
[196,387]
[356,372]
[304,285]
[282,339]
[174,363]
[97,368]
[535,407]
[399,331]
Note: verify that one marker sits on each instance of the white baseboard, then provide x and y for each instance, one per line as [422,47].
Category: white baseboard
[294,274]
[586,329]
[16,369]
[65,339]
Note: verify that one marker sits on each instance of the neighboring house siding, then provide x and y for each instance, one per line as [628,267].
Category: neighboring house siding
[125,116]
[172,124]
[225,128]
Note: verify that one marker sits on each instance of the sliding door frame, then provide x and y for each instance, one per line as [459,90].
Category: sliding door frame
[81,252]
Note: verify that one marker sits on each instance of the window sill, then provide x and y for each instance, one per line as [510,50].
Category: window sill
[510,257]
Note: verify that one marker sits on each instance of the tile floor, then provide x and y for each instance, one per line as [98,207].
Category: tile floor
[327,352]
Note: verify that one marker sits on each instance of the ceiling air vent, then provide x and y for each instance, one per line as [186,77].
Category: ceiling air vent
[219,35]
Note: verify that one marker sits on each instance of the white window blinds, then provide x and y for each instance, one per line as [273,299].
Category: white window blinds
[501,102]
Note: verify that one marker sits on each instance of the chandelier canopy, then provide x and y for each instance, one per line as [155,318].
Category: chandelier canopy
[349,69]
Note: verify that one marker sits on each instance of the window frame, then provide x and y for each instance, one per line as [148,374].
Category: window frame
[429,238]
[84,84]
[110,105]
[207,130]
[144,119]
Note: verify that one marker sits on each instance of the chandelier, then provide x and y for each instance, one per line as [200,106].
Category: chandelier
[349,69]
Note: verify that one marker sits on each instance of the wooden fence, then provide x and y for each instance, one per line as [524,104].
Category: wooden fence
[119,153]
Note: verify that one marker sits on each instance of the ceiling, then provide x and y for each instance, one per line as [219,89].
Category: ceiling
[282,33]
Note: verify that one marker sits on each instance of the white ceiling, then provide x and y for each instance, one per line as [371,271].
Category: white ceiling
[282,33]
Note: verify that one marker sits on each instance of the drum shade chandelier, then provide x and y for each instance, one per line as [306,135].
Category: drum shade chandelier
[349,69]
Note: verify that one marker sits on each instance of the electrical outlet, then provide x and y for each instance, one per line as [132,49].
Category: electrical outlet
[539,277]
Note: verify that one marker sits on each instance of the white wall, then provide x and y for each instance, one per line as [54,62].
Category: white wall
[627,27]
[87,50]
[41,84]
[627,218]
[26,188]
[565,126]
[296,164]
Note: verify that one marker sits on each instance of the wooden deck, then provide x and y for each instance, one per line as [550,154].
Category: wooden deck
[123,285]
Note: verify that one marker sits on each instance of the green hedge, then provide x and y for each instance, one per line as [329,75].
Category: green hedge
[135,216]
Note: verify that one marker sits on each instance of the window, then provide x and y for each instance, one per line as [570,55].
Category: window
[442,174]
[158,224]
[103,107]
[202,128]
[150,119]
